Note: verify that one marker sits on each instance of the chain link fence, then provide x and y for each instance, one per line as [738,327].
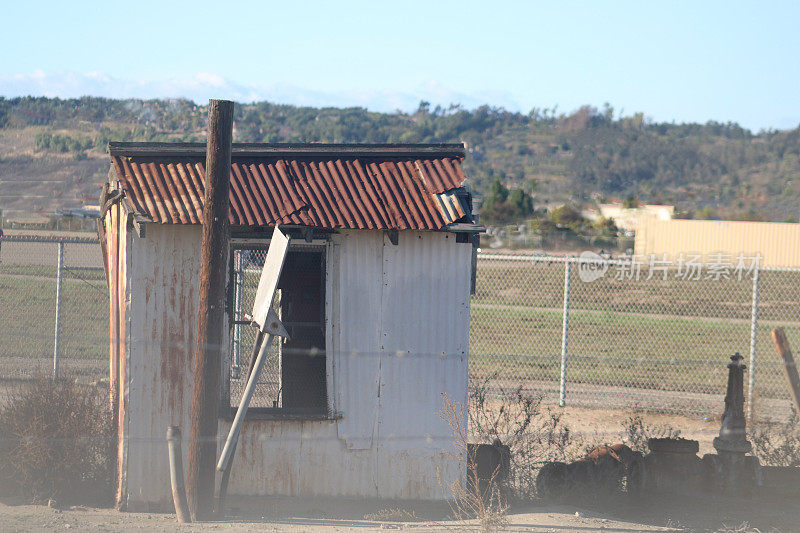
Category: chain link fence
[649,334]
[53,308]
[293,376]
[605,333]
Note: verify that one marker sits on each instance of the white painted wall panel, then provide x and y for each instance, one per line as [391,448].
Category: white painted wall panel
[356,333]
[425,308]
[298,458]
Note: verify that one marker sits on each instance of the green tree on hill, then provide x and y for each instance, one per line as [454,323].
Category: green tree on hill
[60,143]
[606,227]
[567,216]
[574,156]
[630,202]
[501,205]
[707,213]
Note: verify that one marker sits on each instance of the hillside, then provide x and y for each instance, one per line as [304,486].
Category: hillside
[52,151]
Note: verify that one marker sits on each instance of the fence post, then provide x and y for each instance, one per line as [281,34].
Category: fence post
[58,307]
[562,395]
[237,313]
[751,387]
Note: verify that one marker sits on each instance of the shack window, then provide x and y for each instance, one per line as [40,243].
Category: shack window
[293,381]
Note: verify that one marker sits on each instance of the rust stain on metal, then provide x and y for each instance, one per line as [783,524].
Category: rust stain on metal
[175,348]
[345,456]
[116,234]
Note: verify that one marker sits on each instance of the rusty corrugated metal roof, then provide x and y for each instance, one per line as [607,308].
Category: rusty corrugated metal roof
[317,185]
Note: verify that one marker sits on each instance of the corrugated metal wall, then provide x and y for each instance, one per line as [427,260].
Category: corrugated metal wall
[163,283]
[114,248]
[778,243]
[397,334]
[425,334]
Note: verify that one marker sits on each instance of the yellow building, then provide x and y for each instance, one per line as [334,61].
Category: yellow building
[776,244]
[627,218]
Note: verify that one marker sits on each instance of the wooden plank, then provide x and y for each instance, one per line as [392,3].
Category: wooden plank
[211,319]
[782,345]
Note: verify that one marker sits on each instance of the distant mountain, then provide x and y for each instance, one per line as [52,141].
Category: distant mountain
[52,150]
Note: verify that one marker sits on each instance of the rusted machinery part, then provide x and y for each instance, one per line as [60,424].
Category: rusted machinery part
[731,473]
[551,481]
[669,445]
[605,470]
[635,475]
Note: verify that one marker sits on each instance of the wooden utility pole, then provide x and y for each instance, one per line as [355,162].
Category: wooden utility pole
[208,357]
[782,345]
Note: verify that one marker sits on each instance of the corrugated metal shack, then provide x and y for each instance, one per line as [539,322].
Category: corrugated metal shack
[375,294]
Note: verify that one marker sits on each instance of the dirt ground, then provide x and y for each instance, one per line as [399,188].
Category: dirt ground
[762,513]
[606,426]
[40,518]
[695,513]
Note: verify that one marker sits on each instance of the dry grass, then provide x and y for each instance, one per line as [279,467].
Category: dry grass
[638,432]
[476,499]
[394,514]
[744,527]
[535,434]
[777,444]
[56,443]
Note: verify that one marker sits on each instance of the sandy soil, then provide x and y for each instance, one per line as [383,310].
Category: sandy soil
[593,426]
[690,513]
[291,516]
[606,426]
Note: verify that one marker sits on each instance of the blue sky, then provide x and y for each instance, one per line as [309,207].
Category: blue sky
[673,60]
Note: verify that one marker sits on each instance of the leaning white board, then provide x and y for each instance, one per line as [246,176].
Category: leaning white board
[267,321]
[268,284]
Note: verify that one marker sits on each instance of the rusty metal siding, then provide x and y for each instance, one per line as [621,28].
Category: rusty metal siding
[778,243]
[164,269]
[298,458]
[325,192]
[115,226]
[398,342]
[398,322]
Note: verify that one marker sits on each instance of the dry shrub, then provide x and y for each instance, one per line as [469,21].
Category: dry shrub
[475,499]
[777,444]
[392,514]
[56,442]
[744,527]
[534,434]
[638,432]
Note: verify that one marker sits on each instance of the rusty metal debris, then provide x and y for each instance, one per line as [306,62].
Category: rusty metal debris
[605,470]
[490,464]
[672,464]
